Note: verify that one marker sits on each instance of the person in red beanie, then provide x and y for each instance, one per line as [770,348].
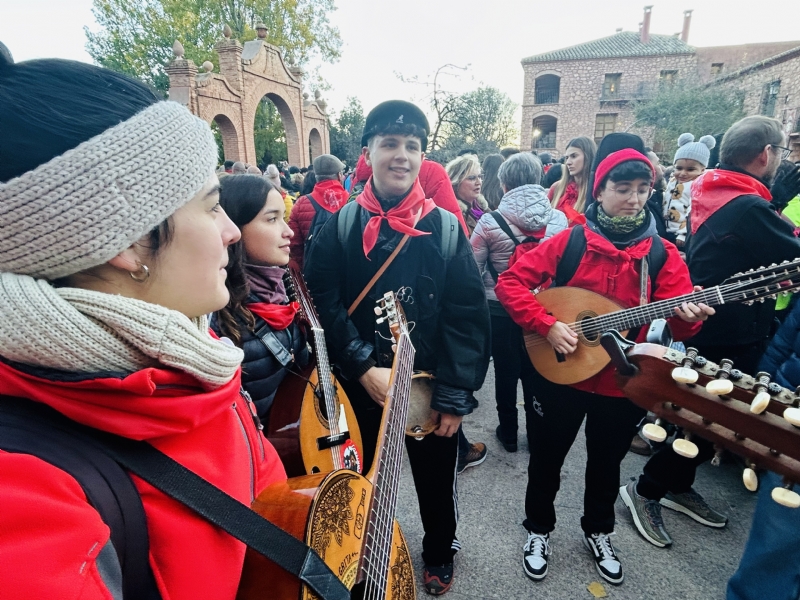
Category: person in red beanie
[619,234]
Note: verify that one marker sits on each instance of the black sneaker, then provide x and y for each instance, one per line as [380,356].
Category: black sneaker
[475,456]
[437,580]
[534,557]
[605,559]
[507,444]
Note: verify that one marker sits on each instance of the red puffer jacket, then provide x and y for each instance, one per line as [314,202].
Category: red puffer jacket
[53,544]
[300,222]
[604,269]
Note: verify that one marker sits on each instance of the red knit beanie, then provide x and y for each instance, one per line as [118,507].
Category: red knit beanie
[615,159]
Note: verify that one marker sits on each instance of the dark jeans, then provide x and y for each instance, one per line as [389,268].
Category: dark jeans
[433,466]
[667,471]
[511,364]
[610,425]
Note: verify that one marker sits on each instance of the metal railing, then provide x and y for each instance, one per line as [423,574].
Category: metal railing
[546,97]
[640,90]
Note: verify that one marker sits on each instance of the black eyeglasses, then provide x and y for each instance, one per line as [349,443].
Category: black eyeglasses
[785,152]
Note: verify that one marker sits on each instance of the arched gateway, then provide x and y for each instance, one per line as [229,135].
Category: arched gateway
[247,74]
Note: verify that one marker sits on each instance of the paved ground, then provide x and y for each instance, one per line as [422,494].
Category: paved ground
[491,498]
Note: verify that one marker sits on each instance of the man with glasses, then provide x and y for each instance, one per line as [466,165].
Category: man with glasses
[733,227]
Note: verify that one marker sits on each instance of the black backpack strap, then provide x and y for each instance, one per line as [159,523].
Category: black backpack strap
[504,226]
[573,253]
[28,427]
[314,203]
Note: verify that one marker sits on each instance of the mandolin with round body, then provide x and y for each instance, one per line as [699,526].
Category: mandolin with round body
[750,416]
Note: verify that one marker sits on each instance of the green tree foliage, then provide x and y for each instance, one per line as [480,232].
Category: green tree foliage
[270,136]
[688,106]
[136,36]
[346,133]
[482,119]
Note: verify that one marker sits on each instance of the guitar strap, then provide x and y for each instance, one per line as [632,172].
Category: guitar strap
[643,281]
[273,344]
[210,502]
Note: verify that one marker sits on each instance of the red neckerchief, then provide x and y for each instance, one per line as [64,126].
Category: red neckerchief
[715,188]
[402,218]
[277,316]
[566,204]
[330,195]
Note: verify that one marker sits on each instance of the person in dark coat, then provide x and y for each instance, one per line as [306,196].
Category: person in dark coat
[444,302]
[733,227]
[258,318]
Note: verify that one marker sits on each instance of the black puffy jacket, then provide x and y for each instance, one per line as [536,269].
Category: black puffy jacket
[444,302]
[262,370]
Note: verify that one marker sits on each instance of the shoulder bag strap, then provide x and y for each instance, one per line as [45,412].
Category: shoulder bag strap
[377,275]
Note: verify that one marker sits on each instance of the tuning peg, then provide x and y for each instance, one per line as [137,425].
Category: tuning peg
[786,497]
[759,403]
[764,389]
[750,479]
[722,385]
[684,375]
[685,447]
[378,310]
[394,348]
[717,460]
[654,431]
[792,415]
[381,320]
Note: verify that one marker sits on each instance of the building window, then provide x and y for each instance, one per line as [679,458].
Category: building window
[603,125]
[547,89]
[769,98]
[611,85]
[543,133]
[668,78]
[716,69]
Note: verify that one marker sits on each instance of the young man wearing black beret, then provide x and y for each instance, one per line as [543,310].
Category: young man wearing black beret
[440,289]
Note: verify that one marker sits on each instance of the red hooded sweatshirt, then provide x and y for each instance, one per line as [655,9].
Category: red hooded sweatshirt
[51,538]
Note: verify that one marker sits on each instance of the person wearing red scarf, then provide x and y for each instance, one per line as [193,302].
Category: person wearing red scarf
[310,212]
[442,296]
[259,318]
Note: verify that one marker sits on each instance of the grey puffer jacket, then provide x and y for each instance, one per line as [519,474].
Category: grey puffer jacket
[526,209]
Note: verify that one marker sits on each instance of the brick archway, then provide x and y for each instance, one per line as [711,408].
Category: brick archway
[314,144]
[247,74]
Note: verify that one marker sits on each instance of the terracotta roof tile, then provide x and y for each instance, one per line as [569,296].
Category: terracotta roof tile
[619,45]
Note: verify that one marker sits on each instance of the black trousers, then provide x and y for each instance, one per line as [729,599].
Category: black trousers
[610,425]
[667,471]
[511,364]
[433,466]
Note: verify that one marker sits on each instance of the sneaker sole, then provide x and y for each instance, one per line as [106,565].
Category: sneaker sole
[628,501]
[474,463]
[532,576]
[682,509]
[599,570]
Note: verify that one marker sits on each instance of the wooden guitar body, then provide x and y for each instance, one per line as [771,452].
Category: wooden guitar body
[570,305]
[329,513]
[766,439]
[297,421]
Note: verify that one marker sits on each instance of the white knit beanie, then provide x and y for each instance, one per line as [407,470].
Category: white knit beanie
[84,207]
[699,150]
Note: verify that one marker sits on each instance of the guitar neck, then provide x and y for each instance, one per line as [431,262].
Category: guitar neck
[385,472]
[324,375]
[630,318]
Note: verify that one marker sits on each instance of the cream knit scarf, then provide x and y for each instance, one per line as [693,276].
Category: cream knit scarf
[83,331]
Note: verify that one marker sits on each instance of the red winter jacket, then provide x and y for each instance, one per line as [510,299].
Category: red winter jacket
[327,193]
[53,544]
[604,269]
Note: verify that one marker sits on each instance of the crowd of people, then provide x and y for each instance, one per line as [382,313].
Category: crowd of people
[142,295]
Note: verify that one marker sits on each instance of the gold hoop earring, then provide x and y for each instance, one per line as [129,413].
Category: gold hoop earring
[141,275]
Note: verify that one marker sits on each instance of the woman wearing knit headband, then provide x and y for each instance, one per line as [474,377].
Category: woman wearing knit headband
[113,249]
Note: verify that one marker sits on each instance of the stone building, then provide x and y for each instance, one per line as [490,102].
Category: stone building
[248,74]
[590,89]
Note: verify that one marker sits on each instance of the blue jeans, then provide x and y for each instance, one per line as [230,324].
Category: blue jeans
[770,565]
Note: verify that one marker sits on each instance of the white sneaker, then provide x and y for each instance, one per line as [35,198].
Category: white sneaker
[605,558]
[536,550]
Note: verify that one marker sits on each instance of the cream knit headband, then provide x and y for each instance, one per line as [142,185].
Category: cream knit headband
[84,207]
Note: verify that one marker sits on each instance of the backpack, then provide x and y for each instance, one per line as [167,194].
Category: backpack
[321,217]
[520,248]
[448,241]
[576,248]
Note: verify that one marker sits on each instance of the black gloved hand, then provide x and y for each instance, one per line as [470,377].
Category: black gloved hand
[785,187]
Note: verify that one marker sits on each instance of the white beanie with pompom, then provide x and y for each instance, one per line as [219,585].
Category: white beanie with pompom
[699,150]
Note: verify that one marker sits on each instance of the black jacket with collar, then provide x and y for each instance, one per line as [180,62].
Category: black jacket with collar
[443,300]
[746,233]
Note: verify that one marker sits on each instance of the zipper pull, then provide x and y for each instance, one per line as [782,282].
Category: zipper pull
[251,405]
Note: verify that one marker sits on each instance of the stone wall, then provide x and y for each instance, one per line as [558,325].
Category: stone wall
[581,92]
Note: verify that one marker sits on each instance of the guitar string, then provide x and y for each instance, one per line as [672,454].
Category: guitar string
[378,560]
[323,370]
[647,313]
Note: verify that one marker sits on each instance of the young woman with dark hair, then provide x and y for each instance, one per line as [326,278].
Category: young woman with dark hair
[113,249]
[570,193]
[619,234]
[258,312]
[492,190]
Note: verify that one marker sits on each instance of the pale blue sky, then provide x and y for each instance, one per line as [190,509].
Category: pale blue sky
[414,37]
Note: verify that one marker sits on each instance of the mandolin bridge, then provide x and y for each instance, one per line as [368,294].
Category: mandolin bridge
[329,441]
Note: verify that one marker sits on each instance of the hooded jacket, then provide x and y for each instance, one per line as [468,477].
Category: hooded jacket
[527,210]
[48,526]
[607,268]
[734,228]
[303,214]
